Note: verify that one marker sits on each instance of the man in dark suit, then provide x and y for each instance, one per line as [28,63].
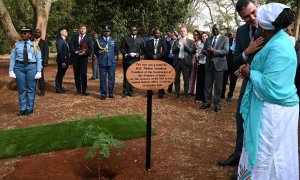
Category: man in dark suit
[183,50]
[43,45]
[169,57]
[132,48]
[248,43]
[62,59]
[215,49]
[156,49]
[81,47]
[231,69]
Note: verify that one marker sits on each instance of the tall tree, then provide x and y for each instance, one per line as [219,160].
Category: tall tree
[41,9]
[226,10]
[7,25]
[210,11]
[21,12]
[236,16]
[41,13]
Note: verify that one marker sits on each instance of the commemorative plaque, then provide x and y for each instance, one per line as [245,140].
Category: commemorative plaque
[150,74]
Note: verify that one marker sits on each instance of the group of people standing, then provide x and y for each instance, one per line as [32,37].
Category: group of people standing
[262,53]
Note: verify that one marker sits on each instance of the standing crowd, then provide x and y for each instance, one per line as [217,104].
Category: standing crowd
[260,51]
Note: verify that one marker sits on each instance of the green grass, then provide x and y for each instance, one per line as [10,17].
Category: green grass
[66,135]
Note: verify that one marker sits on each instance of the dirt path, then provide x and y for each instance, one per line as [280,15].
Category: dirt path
[188,144]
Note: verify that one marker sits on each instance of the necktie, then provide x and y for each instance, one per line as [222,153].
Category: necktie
[81,38]
[155,45]
[214,42]
[25,54]
[253,32]
[67,44]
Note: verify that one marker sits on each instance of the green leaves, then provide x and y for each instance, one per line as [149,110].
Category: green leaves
[103,140]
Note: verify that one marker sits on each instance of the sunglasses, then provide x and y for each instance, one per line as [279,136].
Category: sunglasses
[24,32]
[133,30]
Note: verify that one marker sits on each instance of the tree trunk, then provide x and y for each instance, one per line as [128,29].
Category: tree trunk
[297,20]
[7,25]
[236,19]
[210,13]
[41,9]
[21,12]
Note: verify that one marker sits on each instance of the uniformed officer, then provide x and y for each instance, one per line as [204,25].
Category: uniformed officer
[106,50]
[26,66]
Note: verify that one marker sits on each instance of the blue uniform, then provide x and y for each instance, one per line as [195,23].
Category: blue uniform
[25,74]
[107,63]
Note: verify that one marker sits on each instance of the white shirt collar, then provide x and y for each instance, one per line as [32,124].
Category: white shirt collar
[217,36]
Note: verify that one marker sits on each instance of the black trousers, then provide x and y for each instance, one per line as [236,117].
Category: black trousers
[59,76]
[240,121]
[41,82]
[200,83]
[128,89]
[80,64]
[232,79]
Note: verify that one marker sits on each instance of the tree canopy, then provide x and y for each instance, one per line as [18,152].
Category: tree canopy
[119,14]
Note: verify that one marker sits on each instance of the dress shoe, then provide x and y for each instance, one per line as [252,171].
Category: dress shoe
[229,99]
[60,91]
[64,89]
[130,94]
[77,93]
[27,112]
[84,93]
[102,97]
[42,93]
[217,108]
[111,96]
[232,160]
[205,106]
[20,113]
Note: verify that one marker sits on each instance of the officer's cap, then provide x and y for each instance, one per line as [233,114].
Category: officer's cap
[24,29]
[106,28]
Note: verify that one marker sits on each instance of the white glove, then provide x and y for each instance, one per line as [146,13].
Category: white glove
[132,54]
[38,75]
[12,74]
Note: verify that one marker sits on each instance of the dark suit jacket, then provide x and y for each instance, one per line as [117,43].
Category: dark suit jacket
[44,51]
[219,54]
[242,42]
[189,50]
[132,46]
[86,44]
[62,51]
[161,49]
